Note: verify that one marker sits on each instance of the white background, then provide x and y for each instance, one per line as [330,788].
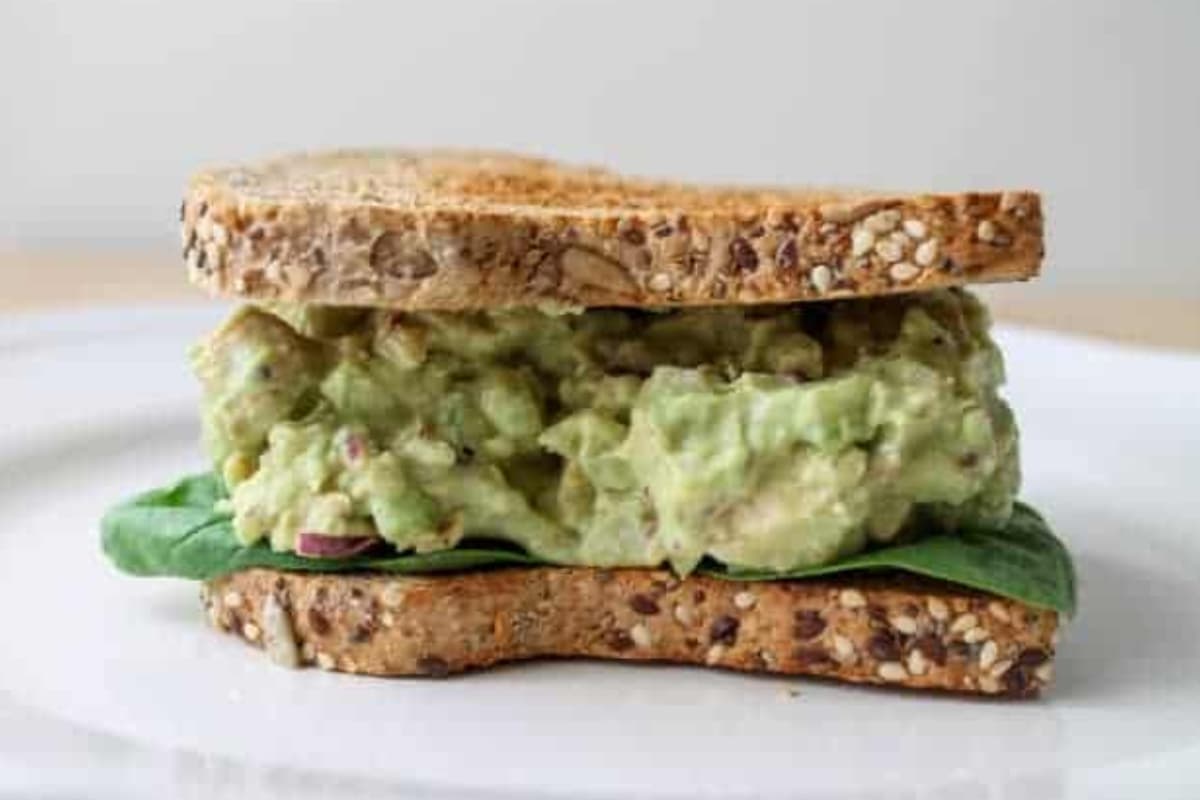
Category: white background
[105,106]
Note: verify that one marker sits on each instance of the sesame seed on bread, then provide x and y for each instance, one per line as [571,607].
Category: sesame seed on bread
[890,629]
[459,230]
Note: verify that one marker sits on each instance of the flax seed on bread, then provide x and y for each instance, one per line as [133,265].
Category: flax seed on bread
[889,629]
[459,230]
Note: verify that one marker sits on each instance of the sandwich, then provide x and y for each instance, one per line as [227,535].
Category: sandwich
[476,407]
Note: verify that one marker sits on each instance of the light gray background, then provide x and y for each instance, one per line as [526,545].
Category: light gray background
[106,106]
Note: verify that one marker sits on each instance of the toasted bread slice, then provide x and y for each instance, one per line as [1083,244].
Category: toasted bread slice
[879,629]
[460,230]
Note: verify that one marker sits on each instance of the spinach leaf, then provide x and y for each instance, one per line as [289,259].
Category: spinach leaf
[178,531]
[1022,560]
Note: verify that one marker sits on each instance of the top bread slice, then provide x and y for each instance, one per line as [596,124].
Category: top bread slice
[459,230]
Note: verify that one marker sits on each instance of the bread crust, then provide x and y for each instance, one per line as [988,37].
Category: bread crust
[888,629]
[459,230]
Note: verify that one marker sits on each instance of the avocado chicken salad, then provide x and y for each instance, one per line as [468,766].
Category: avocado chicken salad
[774,438]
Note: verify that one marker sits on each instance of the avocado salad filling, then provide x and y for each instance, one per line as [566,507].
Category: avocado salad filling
[772,438]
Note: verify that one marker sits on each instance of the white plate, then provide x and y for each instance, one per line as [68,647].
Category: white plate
[117,675]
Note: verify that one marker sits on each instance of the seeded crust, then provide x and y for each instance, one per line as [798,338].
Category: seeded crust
[460,230]
[884,629]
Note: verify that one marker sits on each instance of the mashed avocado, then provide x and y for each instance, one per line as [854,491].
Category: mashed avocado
[773,437]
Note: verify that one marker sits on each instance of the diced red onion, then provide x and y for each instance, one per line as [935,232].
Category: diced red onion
[356,448]
[321,545]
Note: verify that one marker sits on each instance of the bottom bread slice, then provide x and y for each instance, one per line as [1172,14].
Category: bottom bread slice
[881,629]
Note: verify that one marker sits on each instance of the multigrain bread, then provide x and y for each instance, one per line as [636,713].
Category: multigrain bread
[459,230]
[879,629]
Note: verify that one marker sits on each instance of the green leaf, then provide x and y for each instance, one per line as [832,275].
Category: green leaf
[1022,560]
[177,532]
